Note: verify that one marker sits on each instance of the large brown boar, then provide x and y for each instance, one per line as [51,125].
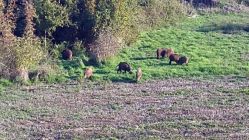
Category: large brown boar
[162,52]
[169,51]
[124,66]
[173,57]
[67,54]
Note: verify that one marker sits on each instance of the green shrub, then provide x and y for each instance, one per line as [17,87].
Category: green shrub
[50,15]
[52,73]
[28,52]
[5,82]
[119,22]
[23,54]
[159,12]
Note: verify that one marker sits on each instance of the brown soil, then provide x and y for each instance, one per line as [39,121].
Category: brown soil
[173,108]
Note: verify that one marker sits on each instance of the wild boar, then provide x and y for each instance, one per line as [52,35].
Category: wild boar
[67,54]
[162,52]
[173,57]
[88,72]
[124,66]
[183,60]
[139,74]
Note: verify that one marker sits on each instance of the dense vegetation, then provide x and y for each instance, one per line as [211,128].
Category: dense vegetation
[34,33]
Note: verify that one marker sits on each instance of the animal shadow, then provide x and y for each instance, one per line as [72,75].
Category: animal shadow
[143,58]
[123,80]
[166,64]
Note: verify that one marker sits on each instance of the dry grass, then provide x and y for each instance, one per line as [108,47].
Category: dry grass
[173,108]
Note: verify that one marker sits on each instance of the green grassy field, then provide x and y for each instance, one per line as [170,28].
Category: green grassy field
[216,44]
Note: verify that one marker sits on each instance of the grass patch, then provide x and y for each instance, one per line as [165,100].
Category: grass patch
[13,111]
[216,44]
[245,91]
[4,83]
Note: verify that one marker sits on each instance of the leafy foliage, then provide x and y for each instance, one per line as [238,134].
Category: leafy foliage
[50,14]
[18,54]
[90,28]
[28,52]
[125,19]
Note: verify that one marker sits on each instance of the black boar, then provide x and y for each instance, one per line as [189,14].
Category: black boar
[123,66]
[183,60]
[173,57]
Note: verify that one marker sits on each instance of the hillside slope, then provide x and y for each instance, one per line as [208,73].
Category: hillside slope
[216,44]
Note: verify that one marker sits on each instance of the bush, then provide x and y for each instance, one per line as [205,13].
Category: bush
[28,52]
[16,59]
[106,45]
[159,12]
[102,26]
[124,25]
[50,72]
[119,22]
[50,14]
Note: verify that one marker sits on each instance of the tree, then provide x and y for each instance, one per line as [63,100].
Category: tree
[18,54]
[50,15]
